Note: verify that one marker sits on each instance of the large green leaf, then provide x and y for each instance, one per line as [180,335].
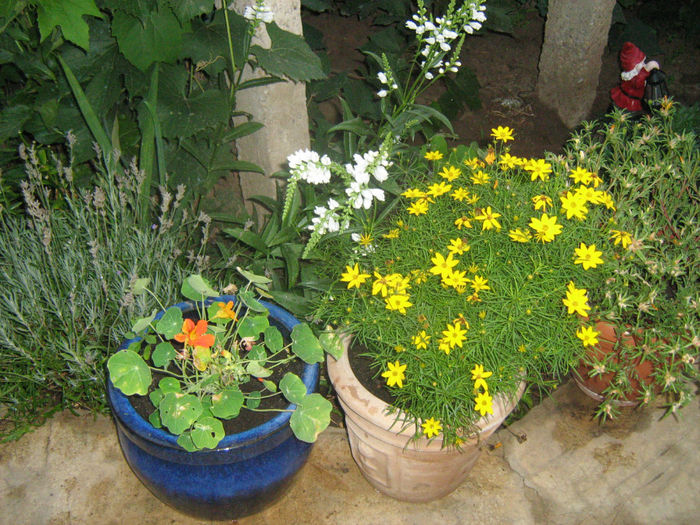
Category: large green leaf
[179,411]
[293,388]
[227,404]
[155,37]
[163,353]
[207,432]
[68,14]
[253,326]
[196,288]
[187,116]
[129,373]
[312,416]
[288,56]
[305,344]
[332,343]
[186,10]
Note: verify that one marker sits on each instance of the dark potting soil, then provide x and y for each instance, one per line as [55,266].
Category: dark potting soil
[369,377]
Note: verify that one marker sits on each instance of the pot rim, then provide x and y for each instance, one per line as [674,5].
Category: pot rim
[374,410]
[125,412]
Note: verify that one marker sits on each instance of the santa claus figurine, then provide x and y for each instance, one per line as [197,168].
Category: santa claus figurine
[628,95]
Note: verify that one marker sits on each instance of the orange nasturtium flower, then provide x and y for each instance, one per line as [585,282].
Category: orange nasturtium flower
[195,334]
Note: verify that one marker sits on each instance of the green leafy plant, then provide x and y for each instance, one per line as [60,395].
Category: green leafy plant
[207,364]
[652,298]
[487,274]
[157,80]
[68,268]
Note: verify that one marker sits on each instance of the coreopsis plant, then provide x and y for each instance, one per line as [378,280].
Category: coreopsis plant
[651,166]
[206,363]
[486,274]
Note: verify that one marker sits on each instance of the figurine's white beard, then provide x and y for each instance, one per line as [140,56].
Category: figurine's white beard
[629,75]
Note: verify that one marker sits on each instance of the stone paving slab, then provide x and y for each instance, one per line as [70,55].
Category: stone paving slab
[567,469]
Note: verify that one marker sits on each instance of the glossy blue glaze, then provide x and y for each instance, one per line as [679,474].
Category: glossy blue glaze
[245,473]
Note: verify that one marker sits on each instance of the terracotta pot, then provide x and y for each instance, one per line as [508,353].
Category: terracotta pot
[417,471]
[595,386]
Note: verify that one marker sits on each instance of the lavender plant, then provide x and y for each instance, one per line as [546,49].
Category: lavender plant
[68,267]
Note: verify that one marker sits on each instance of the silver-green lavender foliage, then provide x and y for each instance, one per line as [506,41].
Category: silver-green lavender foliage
[66,269]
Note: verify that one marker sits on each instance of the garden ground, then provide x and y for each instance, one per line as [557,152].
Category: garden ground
[555,465]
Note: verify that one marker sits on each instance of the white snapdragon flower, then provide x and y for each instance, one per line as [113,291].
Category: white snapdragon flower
[259,11]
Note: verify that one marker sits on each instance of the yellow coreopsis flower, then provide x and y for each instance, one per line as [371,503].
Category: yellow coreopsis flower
[581,175]
[456,279]
[546,227]
[398,302]
[480,177]
[413,193]
[398,284]
[421,340]
[450,173]
[443,265]
[419,207]
[381,284]
[474,163]
[479,283]
[395,375]
[439,188]
[574,205]
[587,256]
[458,246]
[607,200]
[432,155]
[576,300]
[353,276]
[589,194]
[509,161]
[483,403]
[460,194]
[479,377]
[538,168]
[588,335]
[431,427]
[541,202]
[454,335]
[621,237]
[502,133]
[489,218]
[392,234]
[519,235]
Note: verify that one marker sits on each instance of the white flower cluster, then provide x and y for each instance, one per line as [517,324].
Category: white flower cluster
[369,164]
[307,165]
[259,11]
[438,36]
[327,219]
[387,79]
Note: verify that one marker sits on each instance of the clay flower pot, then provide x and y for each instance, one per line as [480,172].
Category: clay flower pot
[417,471]
[595,386]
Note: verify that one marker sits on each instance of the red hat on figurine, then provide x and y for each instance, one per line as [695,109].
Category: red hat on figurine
[630,56]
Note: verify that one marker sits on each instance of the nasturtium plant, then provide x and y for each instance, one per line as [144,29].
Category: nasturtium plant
[216,360]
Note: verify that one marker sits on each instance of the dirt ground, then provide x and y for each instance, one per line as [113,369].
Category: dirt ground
[506,68]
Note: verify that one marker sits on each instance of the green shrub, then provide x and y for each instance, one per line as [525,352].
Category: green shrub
[66,270]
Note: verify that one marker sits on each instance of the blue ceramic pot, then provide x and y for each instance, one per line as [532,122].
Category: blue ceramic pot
[243,474]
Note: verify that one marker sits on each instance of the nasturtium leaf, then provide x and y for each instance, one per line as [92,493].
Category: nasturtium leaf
[169,384]
[332,343]
[179,411]
[227,404]
[311,417]
[186,442]
[196,288]
[273,339]
[171,323]
[207,432]
[270,385]
[154,419]
[305,345]
[162,354]
[258,353]
[144,322]
[253,400]
[155,396]
[129,373]
[140,285]
[248,298]
[135,346]
[293,388]
[201,358]
[254,369]
[253,326]
[150,339]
